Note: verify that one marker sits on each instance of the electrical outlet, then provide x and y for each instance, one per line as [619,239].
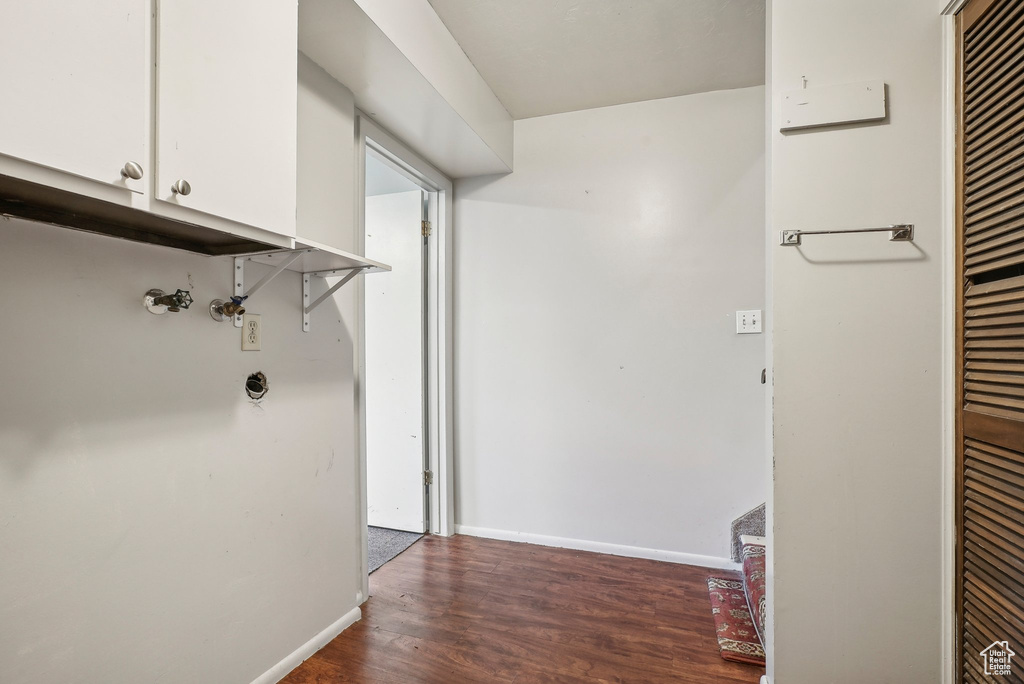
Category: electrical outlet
[748,322]
[252,333]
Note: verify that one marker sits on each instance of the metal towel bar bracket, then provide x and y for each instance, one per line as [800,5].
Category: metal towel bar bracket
[899,232]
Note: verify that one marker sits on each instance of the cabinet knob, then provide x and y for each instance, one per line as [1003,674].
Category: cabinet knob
[132,170]
[181,187]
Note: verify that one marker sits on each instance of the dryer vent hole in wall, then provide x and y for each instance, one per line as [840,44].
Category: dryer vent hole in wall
[256,386]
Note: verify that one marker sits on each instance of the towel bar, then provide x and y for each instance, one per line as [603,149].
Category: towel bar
[899,232]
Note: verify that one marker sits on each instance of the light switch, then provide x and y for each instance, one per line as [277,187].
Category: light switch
[748,322]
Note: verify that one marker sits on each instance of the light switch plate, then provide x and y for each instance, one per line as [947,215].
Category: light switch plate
[252,332]
[748,322]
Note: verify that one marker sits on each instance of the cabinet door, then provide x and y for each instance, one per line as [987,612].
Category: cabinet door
[75,84]
[226,89]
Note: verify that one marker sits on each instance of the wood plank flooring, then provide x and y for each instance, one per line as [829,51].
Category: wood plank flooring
[463,609]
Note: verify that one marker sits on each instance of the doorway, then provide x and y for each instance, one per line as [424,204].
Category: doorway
[404,369]
[396,458]
[395,307]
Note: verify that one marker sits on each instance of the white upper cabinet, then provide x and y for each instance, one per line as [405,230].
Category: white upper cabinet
[75,83]
[226,108]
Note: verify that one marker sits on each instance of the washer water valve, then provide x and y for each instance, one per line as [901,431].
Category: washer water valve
[222,311]
[158,302]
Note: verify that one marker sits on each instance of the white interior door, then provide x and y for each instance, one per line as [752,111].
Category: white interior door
[395,435]
[75,83]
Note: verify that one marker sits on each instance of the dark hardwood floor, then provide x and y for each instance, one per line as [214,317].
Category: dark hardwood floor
[463,609]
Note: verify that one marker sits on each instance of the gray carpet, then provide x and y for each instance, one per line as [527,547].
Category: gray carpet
[751,522]
[385,544]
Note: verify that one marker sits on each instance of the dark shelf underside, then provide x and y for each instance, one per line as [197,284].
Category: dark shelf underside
[35,202]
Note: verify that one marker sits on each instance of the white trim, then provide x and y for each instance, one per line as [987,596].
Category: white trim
[768,321]
[600,547]
[952,7]
[297,657]
[948,261]
[440,337]
[360,361]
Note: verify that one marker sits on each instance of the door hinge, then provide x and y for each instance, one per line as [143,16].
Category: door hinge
[426,228]
[428,477]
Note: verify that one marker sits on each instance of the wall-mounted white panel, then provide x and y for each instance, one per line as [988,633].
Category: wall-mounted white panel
[226,108]
[832,105]
[75,85]
[340,37]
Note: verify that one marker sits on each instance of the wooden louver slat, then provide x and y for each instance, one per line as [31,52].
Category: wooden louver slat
[984,40]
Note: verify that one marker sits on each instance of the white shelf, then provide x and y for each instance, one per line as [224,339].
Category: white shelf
[318,259]
[311,259]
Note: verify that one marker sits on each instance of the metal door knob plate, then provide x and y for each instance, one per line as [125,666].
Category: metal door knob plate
[181,187]
[132,170]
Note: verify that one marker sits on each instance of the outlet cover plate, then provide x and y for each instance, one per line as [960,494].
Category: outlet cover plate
[252,332]
[748,322]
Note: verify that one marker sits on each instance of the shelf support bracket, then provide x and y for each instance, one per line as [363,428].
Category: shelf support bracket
[308,308]
[276,272]
[323,262]
[239,290]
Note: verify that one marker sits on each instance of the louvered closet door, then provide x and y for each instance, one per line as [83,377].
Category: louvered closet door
[990,263]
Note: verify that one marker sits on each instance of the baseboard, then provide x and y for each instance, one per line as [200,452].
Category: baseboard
[600,547]
[292,661]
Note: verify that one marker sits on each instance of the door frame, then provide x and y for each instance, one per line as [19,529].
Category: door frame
[439,364]
[950,316]
[948,10]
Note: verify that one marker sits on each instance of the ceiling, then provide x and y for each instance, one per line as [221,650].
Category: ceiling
[383,180]
[549,56]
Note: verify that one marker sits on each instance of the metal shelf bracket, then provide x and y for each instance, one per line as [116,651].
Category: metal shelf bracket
[289,258]
[283,260]
[307,308]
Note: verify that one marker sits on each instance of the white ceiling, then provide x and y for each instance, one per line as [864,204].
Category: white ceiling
[548,56]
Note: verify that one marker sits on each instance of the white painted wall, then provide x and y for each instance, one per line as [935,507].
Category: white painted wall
[768,324]
[327,158]
[394,363]
[602,393]
[155,524]
[858,352]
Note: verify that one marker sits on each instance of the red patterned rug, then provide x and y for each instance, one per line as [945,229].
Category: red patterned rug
[753,575]
[737,637]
